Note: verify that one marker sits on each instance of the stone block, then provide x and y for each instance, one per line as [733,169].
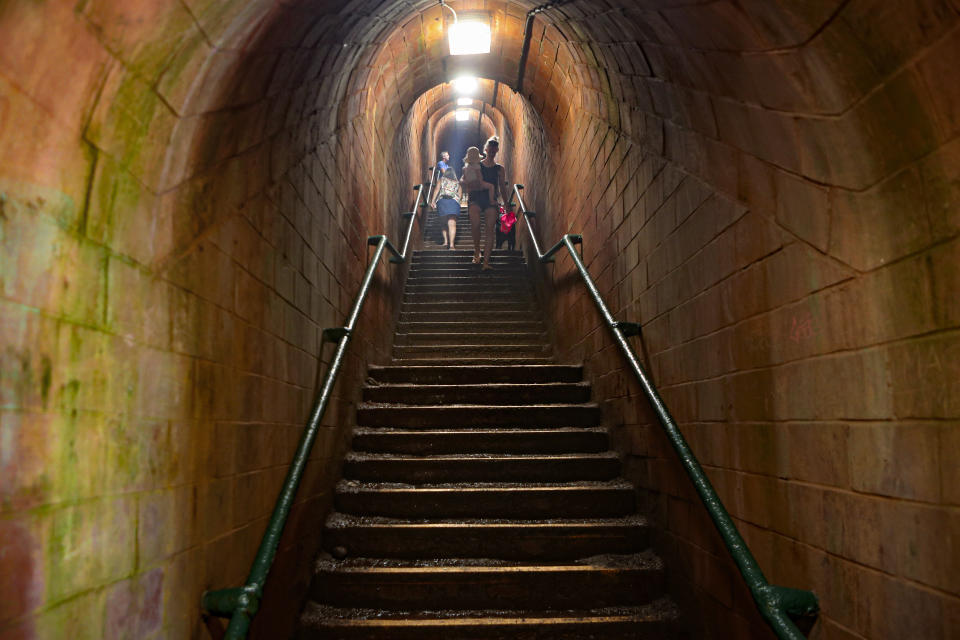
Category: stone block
[134,607]
[817,452]
[880,225]
[168,523]
[94,544]
[46,268]
[810,389]
[22,542]
[940,173]
[138,306]
[81,618]
[33,54]
[889,606]
[896,459]
[892,32]
[756,237]
[950,463]
[927,375]
[803,208]
[133,126]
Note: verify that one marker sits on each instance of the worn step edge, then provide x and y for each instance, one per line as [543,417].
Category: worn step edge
[506,373]
[652,621]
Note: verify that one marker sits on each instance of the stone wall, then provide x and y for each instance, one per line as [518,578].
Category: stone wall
[184,206]
[771,190]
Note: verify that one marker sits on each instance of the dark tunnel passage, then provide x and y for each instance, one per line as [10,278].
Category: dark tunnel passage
[772,189]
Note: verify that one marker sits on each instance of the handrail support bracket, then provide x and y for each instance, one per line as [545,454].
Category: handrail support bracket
[334,334]
[628,329]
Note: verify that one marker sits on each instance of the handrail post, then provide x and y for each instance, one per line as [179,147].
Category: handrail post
[412,214]
[240,604]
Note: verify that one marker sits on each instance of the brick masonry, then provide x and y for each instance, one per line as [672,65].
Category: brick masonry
[769,187]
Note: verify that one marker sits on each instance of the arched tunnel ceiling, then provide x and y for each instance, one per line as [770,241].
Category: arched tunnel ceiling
[781,81]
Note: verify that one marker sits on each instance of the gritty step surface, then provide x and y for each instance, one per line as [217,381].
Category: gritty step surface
[560,415]
[480,467]
[486,583]
[490,393]
[460,374]
[515,540]
[654,621]
[453,441]
[486,500]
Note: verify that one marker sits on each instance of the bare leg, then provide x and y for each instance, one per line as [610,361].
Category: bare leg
[452,230]
[491,220]
[474,212]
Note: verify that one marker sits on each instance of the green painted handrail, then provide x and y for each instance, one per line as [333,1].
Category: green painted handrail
[776,604]
[240,604]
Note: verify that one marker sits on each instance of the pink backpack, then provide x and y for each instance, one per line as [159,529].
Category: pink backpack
[507,220]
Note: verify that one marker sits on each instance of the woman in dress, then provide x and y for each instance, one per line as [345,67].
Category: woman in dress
[447,203]
[479,200]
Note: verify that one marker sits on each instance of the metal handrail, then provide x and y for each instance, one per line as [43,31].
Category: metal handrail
[433,175]
[240,604]
[776,603]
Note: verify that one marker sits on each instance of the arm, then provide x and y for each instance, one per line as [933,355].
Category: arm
[470,185]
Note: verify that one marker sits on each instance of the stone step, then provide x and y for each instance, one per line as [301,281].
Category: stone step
[458,351]
[475,338]
[485,306]
[507,540]
[493,277]
[366,583]
[469,327]
[460,374]
[428,254]
[468,267]
[529,500]
[477,295]
[492,393]
[564,467]
[447,441]
[656,621]
[478,285]
[479,360]
[467,415]
[482,314]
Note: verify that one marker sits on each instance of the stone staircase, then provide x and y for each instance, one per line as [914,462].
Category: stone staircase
[480,499]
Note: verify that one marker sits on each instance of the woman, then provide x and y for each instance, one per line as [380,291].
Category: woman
[447,203]
[479,200]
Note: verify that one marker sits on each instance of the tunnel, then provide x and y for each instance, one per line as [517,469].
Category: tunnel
[771,189]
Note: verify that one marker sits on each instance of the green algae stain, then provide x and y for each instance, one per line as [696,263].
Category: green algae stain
[46,379]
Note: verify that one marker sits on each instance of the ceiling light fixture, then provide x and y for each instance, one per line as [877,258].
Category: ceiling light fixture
[463,115]
[464,102]
[469,36]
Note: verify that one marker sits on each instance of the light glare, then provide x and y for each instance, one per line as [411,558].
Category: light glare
[463,115]
[469,37]
[465,84]
[464,102]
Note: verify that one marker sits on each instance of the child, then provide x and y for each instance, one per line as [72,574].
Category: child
[471,172]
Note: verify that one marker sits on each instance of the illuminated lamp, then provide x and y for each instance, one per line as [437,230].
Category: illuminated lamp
[469,36]
[463,115]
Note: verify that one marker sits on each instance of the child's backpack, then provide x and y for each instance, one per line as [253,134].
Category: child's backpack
[448,188]
[507,220]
